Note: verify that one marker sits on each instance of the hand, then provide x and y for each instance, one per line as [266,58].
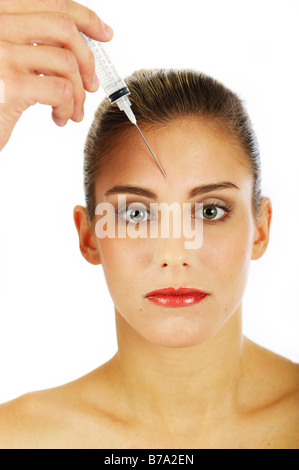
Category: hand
[60,54]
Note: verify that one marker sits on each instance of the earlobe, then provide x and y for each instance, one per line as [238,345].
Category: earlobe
[262,230]
[88,247]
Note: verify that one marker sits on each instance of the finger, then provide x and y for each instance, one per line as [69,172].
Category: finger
[51,61]
[54,91]
[86,20]
[56,29]
[49,90]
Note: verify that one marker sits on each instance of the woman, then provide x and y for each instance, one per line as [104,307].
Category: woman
[184,375]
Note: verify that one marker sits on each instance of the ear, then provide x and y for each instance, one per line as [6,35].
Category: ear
[88,247]
[262,230]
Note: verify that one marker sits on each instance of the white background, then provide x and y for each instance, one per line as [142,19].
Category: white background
[56,314]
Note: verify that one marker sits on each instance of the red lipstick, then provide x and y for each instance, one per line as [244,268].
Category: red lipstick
[171,297]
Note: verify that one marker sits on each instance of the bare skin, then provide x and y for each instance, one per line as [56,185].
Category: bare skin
[89,413]
[60,54]
[178,380]
[185,377]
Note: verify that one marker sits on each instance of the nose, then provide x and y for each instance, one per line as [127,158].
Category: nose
[171,254]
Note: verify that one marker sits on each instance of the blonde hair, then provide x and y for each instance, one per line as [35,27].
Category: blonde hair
[158,97]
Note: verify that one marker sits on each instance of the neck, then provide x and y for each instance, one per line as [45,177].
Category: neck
[180,385]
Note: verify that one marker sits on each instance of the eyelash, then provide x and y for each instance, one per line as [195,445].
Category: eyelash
[225,206]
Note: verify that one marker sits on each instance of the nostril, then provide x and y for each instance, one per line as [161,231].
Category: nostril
[165,264]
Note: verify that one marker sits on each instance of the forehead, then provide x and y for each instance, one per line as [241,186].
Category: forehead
[190,151]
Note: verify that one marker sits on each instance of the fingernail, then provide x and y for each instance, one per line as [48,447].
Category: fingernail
[95,82]
[62,122]
[108,31]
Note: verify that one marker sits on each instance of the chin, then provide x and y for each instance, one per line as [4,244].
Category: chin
[179,336]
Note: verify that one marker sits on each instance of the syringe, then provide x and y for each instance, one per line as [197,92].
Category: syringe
[113,85]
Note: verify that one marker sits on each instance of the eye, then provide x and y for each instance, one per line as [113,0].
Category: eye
[135,215]
[213,213]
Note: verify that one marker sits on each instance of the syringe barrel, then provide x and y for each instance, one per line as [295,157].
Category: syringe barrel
[113,85]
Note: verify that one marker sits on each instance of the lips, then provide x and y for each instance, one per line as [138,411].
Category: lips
[173,291]
[171,297]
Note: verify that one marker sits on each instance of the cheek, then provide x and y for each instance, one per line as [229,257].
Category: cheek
[123,262]
[121,259]
[227,253]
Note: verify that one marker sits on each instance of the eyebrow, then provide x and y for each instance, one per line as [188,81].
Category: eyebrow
[204,188]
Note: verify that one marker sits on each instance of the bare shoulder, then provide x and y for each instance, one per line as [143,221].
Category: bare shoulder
[59,417]
[29,420]
[274,388]
[18,420]
[275,372]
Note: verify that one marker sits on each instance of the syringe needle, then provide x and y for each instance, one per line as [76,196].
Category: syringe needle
[163,172]
[114,87]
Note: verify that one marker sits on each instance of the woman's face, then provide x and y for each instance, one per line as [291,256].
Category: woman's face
[192,154]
